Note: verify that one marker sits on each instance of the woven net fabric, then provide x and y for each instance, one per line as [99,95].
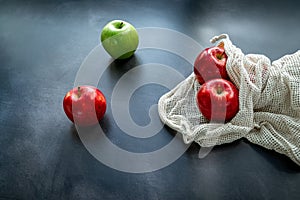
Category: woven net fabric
[269,104]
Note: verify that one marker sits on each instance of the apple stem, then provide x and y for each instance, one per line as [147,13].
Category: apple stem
[79,91]
[121,24]
[219,89]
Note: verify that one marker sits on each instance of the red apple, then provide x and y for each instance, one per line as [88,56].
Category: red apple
[211,64]
[84,105]
[218,100]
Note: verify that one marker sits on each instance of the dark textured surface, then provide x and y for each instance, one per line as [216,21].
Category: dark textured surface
[43,43]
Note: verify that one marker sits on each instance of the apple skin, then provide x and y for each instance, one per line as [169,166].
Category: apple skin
[84,105]
[120,39]
[218,100]
[211,64]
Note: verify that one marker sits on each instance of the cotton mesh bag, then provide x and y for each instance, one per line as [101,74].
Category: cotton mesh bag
[269,104]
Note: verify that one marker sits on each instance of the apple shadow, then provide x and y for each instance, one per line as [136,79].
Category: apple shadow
[103,123]
[124,65]
[279,161]
[74,133]
[115,71]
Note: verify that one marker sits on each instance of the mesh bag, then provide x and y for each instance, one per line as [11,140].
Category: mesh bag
[269,102]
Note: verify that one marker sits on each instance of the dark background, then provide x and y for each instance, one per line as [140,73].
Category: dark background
[42,45]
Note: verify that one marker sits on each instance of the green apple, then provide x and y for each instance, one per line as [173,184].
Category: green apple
[120,39]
